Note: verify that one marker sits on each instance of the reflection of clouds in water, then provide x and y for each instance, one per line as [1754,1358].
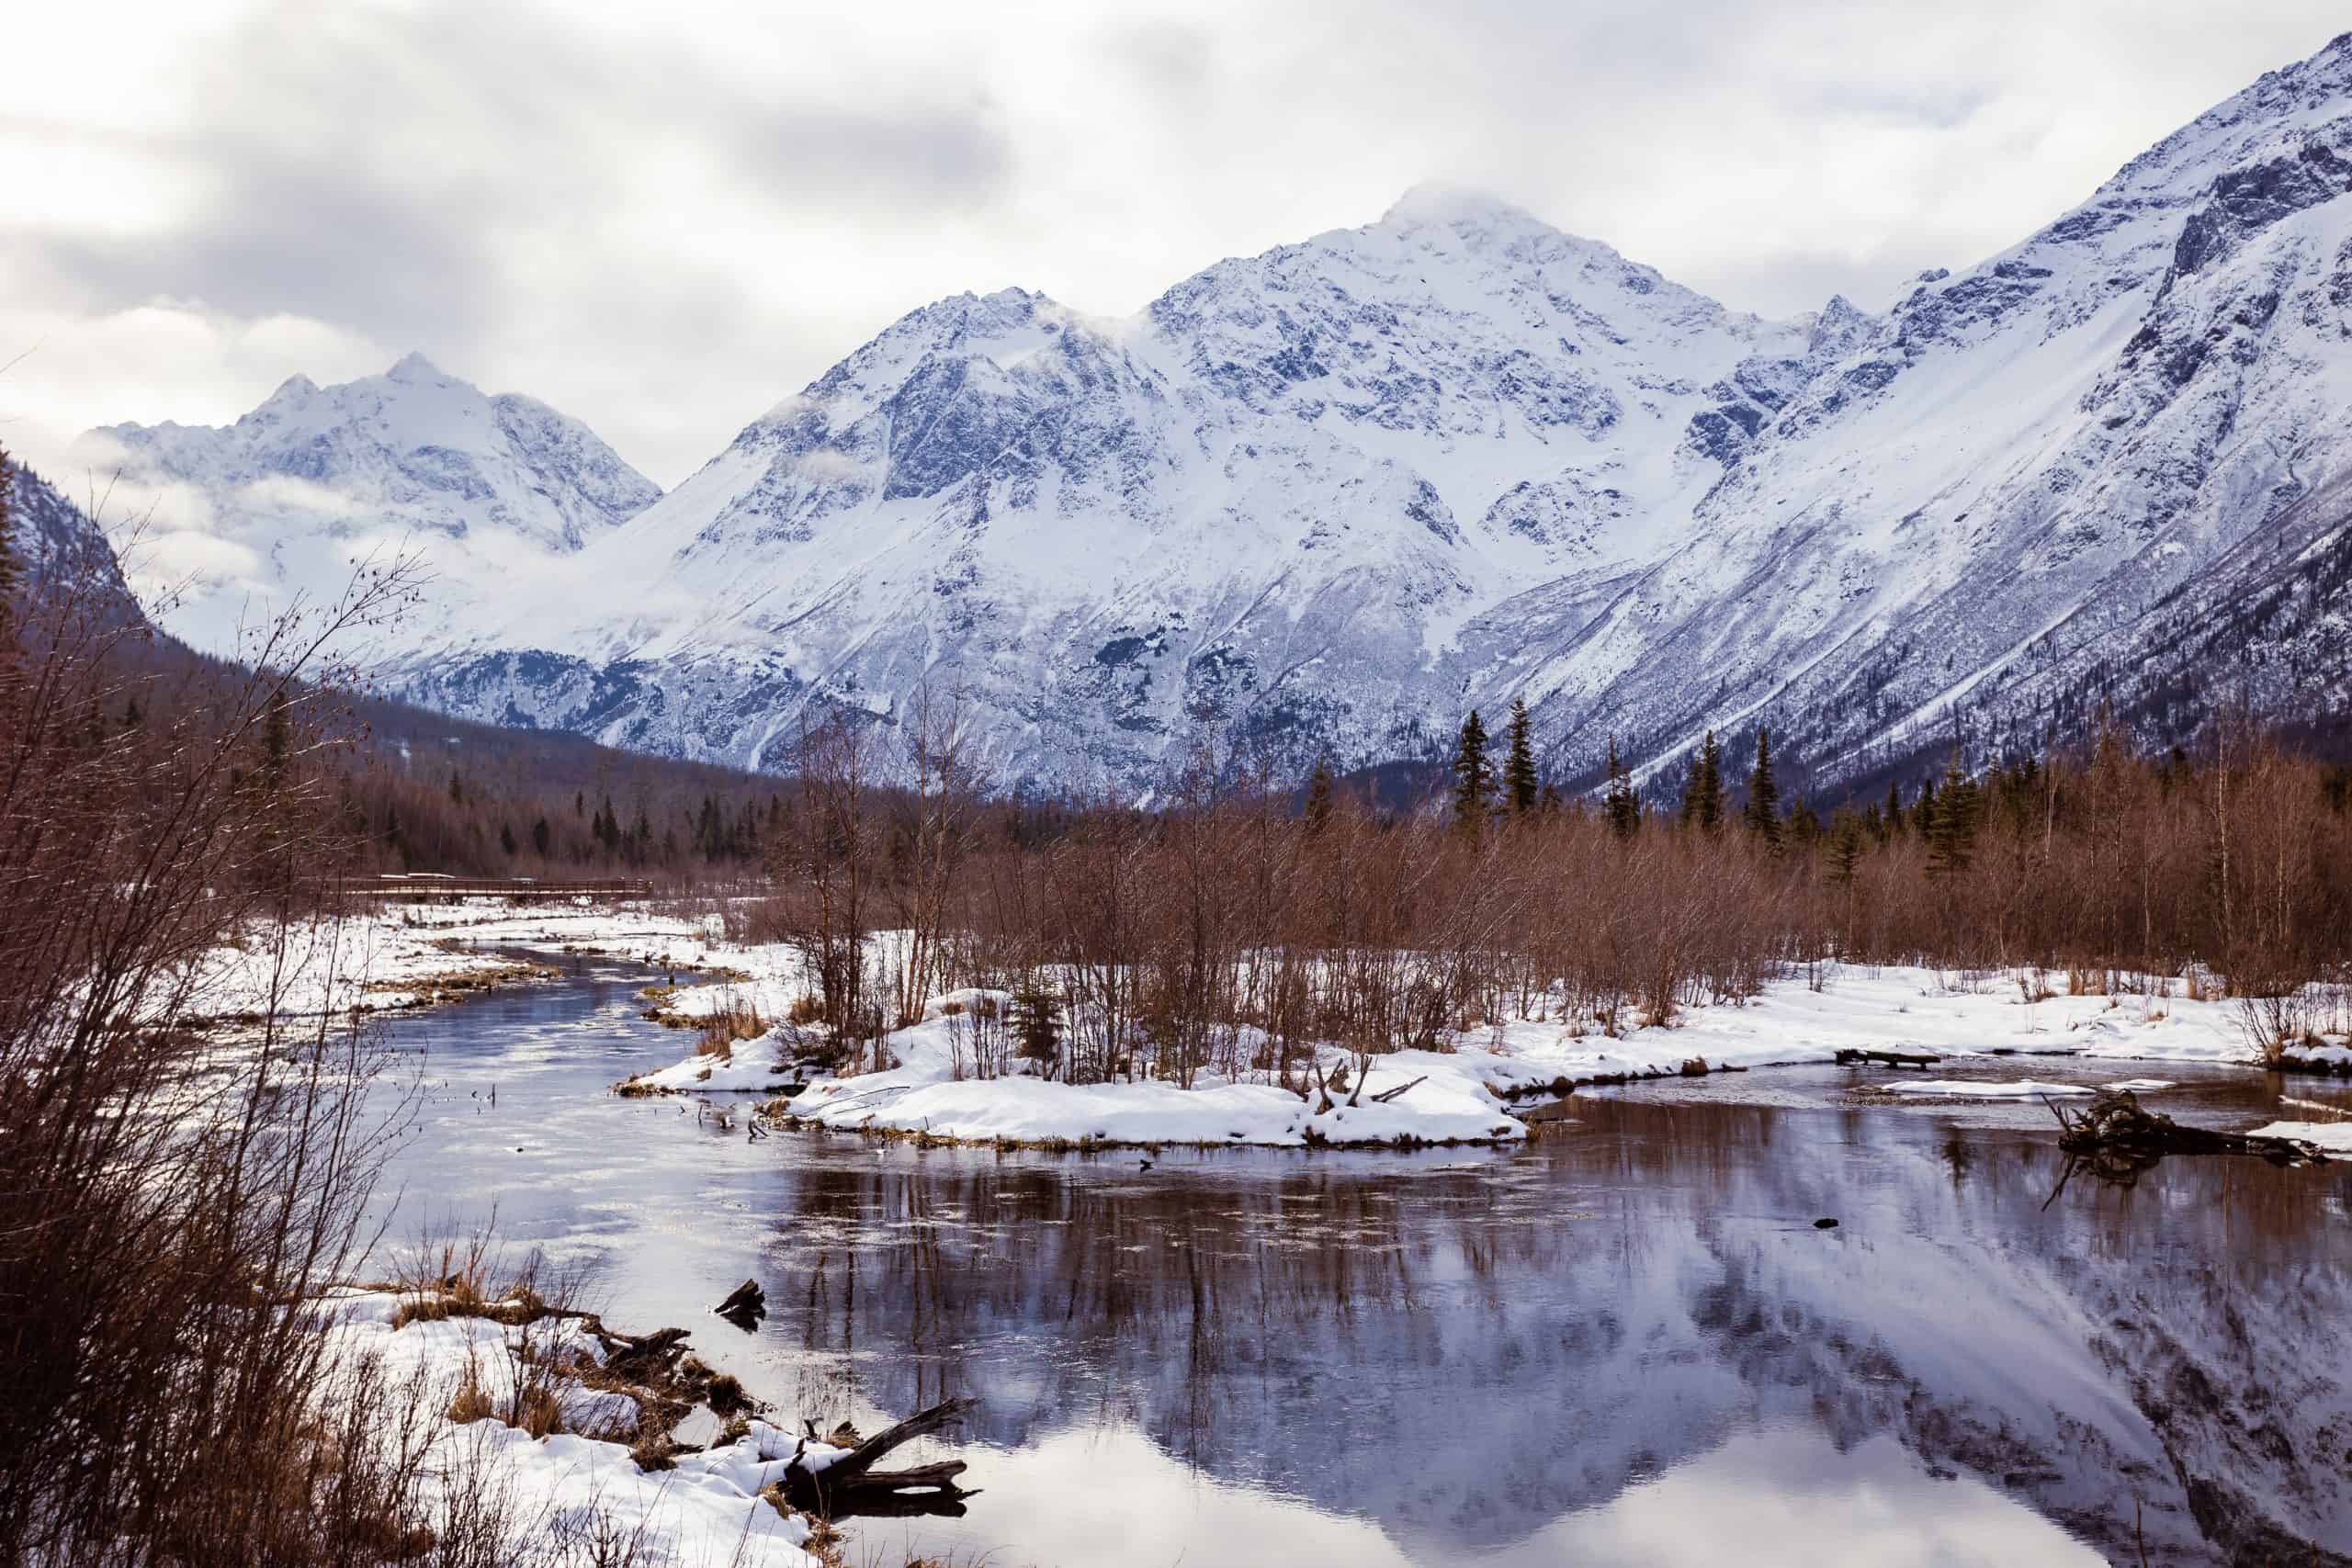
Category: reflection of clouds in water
[1602,1348]
[1790,1497]
[1799,1500]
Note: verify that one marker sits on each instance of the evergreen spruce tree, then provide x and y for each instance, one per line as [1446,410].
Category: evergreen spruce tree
[1951,832]
[506,840]
[1035,1021]
[1923,815]
[1319,796]
[1804,826]
[1552,800]
[541,836]
[1473,776]
[1620,803]
[1520,786]
[1764,791]
[1894,823]
[1703,792]
[1845,847]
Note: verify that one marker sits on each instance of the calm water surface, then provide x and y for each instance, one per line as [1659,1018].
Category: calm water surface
[1626,1343]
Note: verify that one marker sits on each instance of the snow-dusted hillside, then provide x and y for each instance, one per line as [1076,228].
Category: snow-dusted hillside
[224,524]
[1329,497]
[50,540]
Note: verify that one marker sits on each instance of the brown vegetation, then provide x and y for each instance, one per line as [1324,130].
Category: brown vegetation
[1228,930]
[171,1206]
[164,1206]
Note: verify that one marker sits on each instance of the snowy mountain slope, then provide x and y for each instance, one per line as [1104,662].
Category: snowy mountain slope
[1328,497]
[2269,625]
[1271,499]
[49,538]
[413,462]
[2017,464]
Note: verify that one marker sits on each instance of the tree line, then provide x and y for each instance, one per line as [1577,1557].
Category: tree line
[1240,920]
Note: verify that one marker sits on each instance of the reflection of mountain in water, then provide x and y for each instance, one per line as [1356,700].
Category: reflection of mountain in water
[1465,1355]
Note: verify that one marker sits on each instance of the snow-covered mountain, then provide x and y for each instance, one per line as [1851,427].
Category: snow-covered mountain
[1998,489]
[1326,497]
[1274,498]
[230,522]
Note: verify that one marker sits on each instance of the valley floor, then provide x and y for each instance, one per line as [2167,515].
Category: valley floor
[1459,1094]
[1465,1092]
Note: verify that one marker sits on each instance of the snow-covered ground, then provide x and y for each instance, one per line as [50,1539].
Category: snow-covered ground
[363,963]
[1895,1008]
[2334,1136]
[1463,1094]
[405,956]
[705,1510]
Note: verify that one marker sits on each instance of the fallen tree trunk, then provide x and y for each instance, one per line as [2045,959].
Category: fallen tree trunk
[851,1486]
[2119,1137]
[745,1305]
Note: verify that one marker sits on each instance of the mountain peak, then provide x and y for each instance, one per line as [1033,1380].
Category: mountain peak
[294,389]
[1442,204]
[413,367]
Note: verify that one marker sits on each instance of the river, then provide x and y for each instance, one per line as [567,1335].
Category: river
[1626,1342]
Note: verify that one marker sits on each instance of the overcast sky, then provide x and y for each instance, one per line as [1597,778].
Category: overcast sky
[664,217]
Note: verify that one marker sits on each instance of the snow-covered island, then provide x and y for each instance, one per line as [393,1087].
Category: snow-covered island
[957,1073]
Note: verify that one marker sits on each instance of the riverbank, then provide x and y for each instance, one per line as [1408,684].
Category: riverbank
[541,1427]
[399,958]
[954,1076]
[945,1082]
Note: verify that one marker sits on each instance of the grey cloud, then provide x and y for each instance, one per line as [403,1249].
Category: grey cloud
[955,154]
[365,168]
[666,228]
[1172,60]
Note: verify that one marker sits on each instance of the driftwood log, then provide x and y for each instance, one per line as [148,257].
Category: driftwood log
[745,1305]
[2119,1139]
[1851,1057]
[852,1486]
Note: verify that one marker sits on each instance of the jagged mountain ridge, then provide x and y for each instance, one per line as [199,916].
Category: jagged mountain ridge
[1271,498]
[477,489]
[2017,463]
[1326,497]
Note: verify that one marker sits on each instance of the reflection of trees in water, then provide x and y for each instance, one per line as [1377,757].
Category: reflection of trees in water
[1466,1354]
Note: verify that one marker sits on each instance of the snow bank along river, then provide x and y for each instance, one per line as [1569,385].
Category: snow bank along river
[1623,1340]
